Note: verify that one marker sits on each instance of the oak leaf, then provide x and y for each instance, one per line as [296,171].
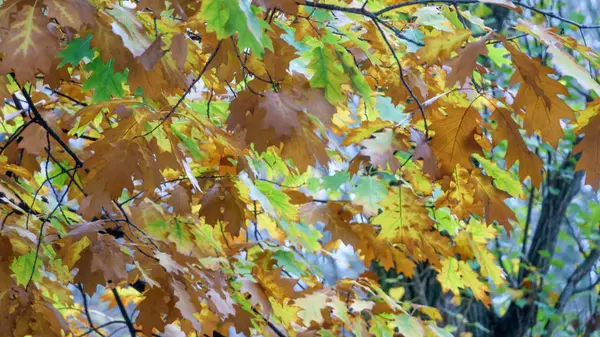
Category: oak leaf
[440,47]
[538,97]
[589,147]
[29,47]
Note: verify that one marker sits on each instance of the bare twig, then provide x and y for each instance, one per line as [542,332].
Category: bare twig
[87,310]
[128,322]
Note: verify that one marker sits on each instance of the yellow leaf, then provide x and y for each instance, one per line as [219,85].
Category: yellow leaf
[441,47]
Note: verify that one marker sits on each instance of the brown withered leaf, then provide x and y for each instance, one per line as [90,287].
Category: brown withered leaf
[222,203]
[29,47]
[72,13]
[275,119]
[157,6]
[280,113]
[423,151]
[493,201]
[6,257]
[186,304]
[163,77]
[589,147]
[179,50]
[454,140]
[35,137]
[111,44]
[277,62]
[105,180]
[180,200]
[530,164]
[537,99]
[464,63]
[153,54]
[257,296]
[286,6]
[98,257]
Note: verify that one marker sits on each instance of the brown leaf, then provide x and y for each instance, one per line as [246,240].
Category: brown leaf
[257,296]
[153,54]
[275,119]
[179,50]
[464,63]
[99,258]
[286,6]
[222,203]
[530,165]
[454,140]
[29,47]
[180,200]
[537,97]
[280,113]
[493,201]
[424,152]
[72,13]
[589,147]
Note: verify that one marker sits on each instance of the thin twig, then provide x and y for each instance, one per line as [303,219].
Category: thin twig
[401,71]
[187,91]
[41,122]
[128,322]
[526,232]
[87,310]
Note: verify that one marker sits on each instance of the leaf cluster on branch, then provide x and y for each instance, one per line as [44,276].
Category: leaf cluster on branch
[185,160]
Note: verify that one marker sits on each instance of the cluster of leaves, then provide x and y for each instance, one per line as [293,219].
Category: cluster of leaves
[198,151]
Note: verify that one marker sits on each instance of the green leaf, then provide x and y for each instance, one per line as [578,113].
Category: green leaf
[76,50]
[327,74]
[335,181]
[503,179]
[356,77]
[380,328]
[369,192]
[409,326]
[226,17]
[445,221]
[23,266]
[288,260]
[105,82]
[303,235]
[389,112]
[439,332]
[188,143]
[279,200]
[216,14]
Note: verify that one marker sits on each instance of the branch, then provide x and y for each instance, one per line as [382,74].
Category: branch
[587,288]
[87,311]
[128,322]
[526,234]
[41,122]
[555,16]
[401,70]
[569,290]
[41,233]
[101,326]
[76,101]
[363,11]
